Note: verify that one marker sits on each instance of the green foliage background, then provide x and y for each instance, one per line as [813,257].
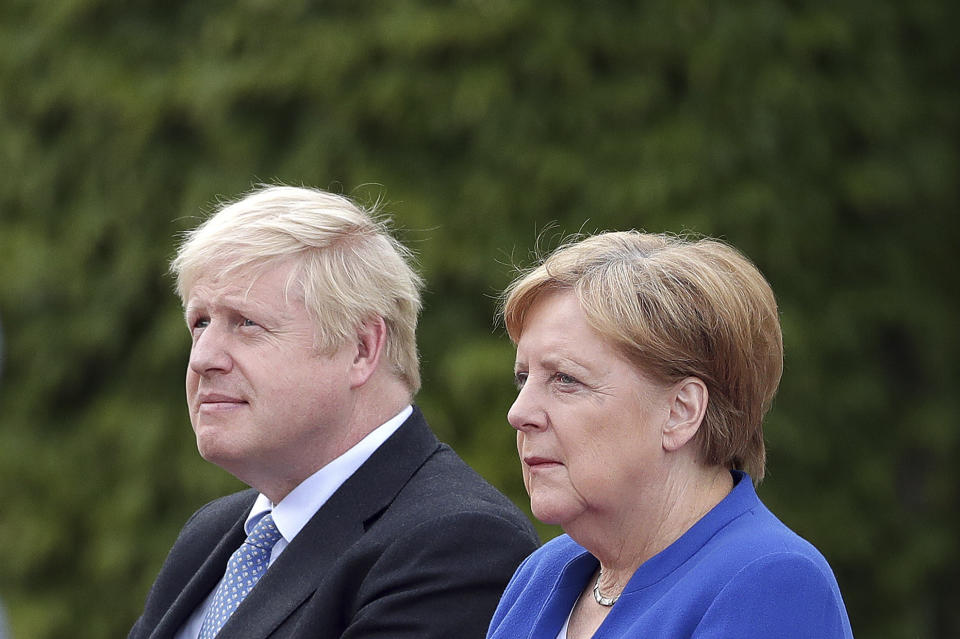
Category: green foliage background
[819,137]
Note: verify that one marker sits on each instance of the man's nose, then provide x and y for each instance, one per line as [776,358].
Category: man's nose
[210,352]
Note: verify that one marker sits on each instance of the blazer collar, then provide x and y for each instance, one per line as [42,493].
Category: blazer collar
[210,572]
[338,523]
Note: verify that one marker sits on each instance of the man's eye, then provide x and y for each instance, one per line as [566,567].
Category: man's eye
[200,322]
[563,378]
[248,322]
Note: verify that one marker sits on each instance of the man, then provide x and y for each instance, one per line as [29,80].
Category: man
[302,311]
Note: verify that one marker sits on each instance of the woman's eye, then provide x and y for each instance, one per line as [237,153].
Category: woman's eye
[519,379]
[564,378]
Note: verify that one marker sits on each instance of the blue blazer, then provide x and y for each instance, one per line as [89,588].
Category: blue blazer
[414,544]
[738,572]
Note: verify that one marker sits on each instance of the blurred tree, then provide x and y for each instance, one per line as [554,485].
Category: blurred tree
[818,137]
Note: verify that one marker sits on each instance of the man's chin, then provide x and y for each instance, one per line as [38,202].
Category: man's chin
[217,449]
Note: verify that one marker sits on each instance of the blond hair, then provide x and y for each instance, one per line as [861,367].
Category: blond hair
[348,266]
[677,308]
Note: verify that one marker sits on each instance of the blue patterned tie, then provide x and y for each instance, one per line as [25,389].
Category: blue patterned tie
[246,566]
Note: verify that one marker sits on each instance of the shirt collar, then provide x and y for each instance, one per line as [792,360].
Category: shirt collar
[302,503]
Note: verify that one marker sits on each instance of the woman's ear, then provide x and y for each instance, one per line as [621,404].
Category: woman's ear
[371,340]
[688,404]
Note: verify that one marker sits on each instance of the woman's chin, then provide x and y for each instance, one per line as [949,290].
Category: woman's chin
[551,514]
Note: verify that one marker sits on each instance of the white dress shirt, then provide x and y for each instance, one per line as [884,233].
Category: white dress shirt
[297,508]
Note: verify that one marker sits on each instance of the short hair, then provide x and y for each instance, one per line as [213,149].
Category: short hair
[349,267]
[675,308]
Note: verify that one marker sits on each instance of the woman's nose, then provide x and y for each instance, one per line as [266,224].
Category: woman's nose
[527,412]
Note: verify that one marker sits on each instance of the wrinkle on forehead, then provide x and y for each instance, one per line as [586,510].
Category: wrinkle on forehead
[231,284]
[222,273]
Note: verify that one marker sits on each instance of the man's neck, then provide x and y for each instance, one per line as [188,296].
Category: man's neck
[373,404]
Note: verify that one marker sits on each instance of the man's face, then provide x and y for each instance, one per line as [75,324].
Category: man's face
[265,406]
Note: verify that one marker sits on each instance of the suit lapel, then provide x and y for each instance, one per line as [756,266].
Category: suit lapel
[204,580]
[300,570]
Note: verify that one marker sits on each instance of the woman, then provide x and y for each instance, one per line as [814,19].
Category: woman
[645,364]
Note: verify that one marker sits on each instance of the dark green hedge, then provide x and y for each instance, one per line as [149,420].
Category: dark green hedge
[819,137]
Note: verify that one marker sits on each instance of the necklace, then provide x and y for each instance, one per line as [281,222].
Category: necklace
[598,596]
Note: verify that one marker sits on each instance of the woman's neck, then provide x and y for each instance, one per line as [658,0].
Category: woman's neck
[626,539]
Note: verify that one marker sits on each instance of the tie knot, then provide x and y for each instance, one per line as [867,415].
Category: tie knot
[244,569]
[264,534]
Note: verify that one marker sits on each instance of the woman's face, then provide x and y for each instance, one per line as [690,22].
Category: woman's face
[589,424]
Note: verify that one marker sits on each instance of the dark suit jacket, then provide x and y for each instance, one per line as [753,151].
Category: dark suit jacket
[414,544]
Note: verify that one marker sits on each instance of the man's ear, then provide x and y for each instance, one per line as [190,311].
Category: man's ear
[688,405]
[371,340]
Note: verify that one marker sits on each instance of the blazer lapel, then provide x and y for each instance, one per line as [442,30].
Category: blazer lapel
[300,570]
[203,581]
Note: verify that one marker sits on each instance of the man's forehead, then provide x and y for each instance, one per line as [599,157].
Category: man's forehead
[271,283]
